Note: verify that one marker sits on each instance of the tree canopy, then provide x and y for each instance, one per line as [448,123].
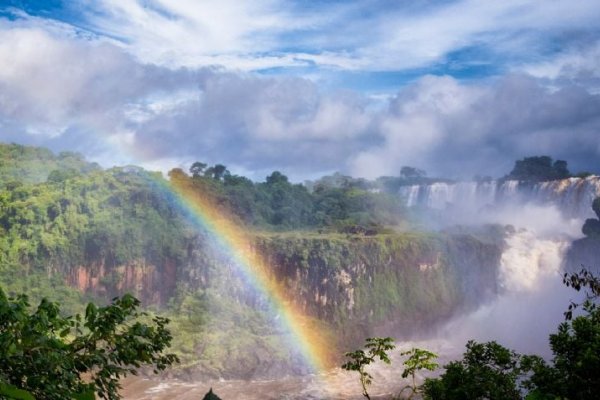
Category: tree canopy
[77,357]
[537,169]
[487,371]
[491,371]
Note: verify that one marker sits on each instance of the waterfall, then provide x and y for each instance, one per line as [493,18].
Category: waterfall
[572,196]
[531,301]
[529,258]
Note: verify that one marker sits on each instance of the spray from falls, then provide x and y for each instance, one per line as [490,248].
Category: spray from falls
[532,298]
[529,259]
[546,216]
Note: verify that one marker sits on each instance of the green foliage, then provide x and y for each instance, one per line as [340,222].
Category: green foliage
[490,371]
[25,164]
[222,336]
[82,218]
[197,169]
[278,204]
[487,371]
[55,357]
[115,216]
[573,373]
[583,280]
[359,359]
[537,169]
[417,360]
[14,393]
[412,173]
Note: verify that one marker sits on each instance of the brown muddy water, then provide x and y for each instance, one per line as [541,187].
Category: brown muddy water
[326,386]
[336,384]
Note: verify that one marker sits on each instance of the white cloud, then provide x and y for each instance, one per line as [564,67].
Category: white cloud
[72,91]
[351,36]
[453,129]
[52,80]
[580,65]
[258,123]
[188,33]
[510,27]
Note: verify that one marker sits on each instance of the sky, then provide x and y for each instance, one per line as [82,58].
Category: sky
[364,87]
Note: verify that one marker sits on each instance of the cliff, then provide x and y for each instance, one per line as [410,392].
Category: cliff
[412,278]
[153,284]
[355,286]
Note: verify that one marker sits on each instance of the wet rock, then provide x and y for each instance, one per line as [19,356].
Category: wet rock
[211,396]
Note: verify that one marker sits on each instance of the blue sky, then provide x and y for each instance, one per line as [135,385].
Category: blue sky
[307,87]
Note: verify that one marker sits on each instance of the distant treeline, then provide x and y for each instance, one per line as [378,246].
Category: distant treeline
[541,168]
[346,204]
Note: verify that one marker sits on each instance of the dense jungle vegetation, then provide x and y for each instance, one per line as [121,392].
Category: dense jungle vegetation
[59,209]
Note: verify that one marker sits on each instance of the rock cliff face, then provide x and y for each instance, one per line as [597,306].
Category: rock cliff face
[354,286]
[396,282]
[152,283]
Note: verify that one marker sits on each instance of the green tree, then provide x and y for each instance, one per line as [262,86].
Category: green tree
[276,177]
[490,371]
[573,373]
[217,172]
[54,357]
[560,169]
[359,359]
[487,371]
[197,169]
[417,360]
[539,168]
[407,172]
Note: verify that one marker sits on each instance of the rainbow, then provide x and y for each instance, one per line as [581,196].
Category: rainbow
[315,345]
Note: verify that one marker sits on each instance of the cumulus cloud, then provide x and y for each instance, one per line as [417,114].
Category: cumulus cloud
[49,79]
[55,83]
[67,90]
[255,122]
[457,129]
[440,124]
[579,65]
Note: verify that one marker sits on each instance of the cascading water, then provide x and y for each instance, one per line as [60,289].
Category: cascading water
[572,196]
[532,297]
[546,216]
[529,259]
